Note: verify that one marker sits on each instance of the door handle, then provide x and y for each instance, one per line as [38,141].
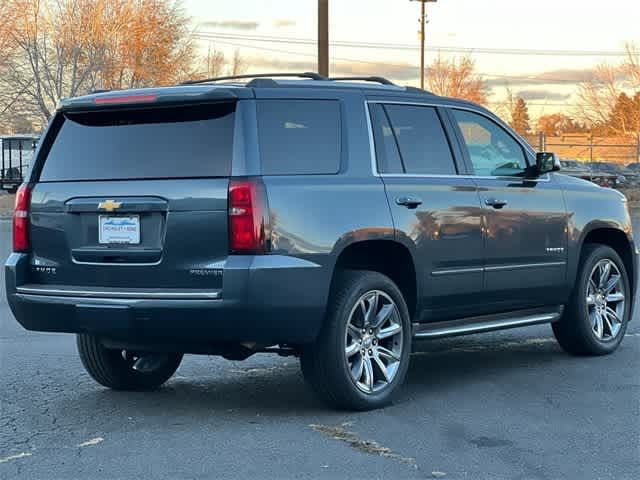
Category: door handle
[409,202]
[495,203]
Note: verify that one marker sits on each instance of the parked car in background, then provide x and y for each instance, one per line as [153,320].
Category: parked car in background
[632,172]
[608,174]
[634,167]
[578,169]
[575,168]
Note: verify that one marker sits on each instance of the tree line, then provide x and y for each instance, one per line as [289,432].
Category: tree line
[608,104]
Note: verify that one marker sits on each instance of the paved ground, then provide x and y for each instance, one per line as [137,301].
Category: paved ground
[494,406]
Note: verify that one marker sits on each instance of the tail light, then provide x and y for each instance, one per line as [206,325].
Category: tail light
[248,216]
[115,99]
[21,241]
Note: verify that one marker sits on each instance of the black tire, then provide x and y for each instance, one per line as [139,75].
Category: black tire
[575,332]
[110,368]
[324,364]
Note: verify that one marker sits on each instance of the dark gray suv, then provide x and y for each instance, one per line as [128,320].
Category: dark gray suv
[328,219]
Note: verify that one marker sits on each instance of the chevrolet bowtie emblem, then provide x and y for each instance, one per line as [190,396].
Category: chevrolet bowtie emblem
[109,205]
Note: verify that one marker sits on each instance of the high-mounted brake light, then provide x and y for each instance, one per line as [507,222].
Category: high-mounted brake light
[21,241]
[247,216]
[115,99]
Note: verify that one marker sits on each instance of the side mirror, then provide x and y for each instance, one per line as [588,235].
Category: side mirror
[547,162]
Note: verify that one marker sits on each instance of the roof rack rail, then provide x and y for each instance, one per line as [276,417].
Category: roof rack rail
[418,90]
[310,75]
[381,80]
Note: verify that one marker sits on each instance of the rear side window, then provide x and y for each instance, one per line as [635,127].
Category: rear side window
[424,148]
[299,137]
[175,142]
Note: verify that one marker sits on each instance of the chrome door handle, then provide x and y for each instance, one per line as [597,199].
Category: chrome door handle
[495,203]
[409,202]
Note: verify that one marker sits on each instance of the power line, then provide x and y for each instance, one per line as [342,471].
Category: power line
[534,104]
[369,62]
[543,104]
[390,46]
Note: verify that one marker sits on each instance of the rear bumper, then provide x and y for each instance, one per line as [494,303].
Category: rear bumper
[266,299]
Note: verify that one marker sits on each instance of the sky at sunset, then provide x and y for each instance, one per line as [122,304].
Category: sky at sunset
[587,33]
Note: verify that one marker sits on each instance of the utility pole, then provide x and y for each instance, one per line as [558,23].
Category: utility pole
[323,37]
[423,20]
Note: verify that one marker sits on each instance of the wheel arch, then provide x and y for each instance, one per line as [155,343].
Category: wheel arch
[618,240]
[386,256]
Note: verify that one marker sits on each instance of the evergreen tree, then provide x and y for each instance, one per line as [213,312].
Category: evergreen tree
[625,116]
[520,117]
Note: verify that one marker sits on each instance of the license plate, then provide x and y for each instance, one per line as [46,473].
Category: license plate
[119,229]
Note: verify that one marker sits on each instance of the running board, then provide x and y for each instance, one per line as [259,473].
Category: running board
[487,323]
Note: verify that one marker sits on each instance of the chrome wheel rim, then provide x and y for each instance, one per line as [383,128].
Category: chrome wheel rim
[606,300]
[373,342]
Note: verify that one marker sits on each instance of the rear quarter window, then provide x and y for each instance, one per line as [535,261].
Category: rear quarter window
[158,142]
[299,137]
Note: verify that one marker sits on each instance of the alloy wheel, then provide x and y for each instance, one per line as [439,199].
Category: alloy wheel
[374,341]
[606,300]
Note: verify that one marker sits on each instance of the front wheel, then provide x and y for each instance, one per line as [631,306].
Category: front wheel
[115,368]
[596,317]
[362,353]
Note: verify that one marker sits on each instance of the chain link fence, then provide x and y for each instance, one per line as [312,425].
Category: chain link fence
[589,148]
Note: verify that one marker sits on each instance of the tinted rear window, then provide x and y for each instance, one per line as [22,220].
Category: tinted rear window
[299,136]
[189,141]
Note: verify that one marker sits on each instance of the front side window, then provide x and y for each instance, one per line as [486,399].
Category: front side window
[492,151]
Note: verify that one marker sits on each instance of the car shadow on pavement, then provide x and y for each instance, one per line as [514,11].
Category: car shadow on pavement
[437,369]
[445,367]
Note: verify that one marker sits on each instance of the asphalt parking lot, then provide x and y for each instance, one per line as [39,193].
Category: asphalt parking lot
[506,405]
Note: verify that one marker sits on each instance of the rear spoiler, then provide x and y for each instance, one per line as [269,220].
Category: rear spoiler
[155,96]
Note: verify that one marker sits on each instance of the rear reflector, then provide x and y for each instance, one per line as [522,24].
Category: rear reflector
[111,100]
[247,216]
[21,219]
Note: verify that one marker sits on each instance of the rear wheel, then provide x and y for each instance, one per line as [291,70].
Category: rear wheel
[115,368]
[596,317]
[362,353]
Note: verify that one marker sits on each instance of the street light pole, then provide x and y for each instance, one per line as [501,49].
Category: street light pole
[423,19]
[323,37]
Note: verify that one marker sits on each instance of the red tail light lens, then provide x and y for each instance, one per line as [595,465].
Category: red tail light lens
[115,99]
[247,216]
[21,219]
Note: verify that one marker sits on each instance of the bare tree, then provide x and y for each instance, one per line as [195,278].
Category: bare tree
[64,48]
[456,78]
[598,96]
[238,65]
[7,25]
[632,64]
[215,63]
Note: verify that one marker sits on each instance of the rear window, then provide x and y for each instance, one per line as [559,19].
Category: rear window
[299,136]
[171,142]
